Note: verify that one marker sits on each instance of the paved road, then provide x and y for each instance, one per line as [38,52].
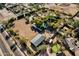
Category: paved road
[18,52]
[10,41]
[1,53]
[5,47]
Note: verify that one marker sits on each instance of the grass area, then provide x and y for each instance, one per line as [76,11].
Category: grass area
[56,48]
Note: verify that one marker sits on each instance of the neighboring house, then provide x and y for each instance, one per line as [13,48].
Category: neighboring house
[72,44]
[19,15]
[34,27]
[69,42]
[37,40]
[9,6]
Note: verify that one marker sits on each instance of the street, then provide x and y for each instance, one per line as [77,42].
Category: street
[5,47]
[11,42]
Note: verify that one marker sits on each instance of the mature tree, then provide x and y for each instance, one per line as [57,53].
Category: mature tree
[12,32]
[22,40]
[42,48]
[10,22]
[38,22]
[56,48]
[76,23]
[56,23]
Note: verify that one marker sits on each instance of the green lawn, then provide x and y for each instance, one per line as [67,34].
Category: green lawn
[56,48]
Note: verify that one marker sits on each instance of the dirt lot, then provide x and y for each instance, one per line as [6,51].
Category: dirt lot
[70,9]
[24,29]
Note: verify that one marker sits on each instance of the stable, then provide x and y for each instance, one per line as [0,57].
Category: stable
[38,39]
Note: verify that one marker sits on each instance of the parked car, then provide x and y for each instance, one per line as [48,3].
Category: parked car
[13,47]
[1,28]
[7,37]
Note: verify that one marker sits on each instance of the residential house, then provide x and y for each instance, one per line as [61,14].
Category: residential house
[37,40]
[69,42]
[34,27]
[72,44]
